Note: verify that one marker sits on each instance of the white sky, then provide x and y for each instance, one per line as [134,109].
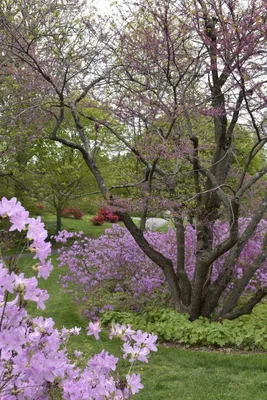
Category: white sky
[105,6]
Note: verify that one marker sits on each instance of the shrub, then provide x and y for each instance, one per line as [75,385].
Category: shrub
[72,212]
[248,332]
[34,362]
[108,215]
[115,264]
[104,215]
[97,220]
[77,213]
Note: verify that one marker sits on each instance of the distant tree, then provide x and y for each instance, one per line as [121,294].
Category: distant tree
[57,178]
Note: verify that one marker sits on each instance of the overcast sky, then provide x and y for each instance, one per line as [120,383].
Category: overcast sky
[104,5]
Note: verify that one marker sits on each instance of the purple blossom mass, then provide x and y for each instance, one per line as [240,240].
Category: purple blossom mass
[33,356]
[116,258]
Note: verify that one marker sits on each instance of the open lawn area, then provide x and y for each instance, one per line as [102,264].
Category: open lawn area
[75,225]
[172,373]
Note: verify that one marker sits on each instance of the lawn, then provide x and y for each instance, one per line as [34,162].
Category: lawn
[172,373]
[76,225]
[70,224]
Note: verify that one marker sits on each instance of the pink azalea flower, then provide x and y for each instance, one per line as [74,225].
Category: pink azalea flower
[19,219]
[7,206]
[45,269]
[134,382]
[36,229]
[94,329]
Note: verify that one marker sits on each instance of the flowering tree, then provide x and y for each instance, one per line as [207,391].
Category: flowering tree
[33,357]
[154,74]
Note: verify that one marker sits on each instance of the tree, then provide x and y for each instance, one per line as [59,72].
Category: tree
[154,73]
[57,178]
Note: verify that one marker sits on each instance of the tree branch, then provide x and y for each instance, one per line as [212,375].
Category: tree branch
[248,307]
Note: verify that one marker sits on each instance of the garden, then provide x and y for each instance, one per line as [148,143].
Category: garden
[133,200]
[219,356]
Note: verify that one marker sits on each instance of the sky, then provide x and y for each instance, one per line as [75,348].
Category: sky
[104,5]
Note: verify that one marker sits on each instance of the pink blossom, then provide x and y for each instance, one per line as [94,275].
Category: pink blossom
[121,331]
[94,329]
[134,382]
[36,229]
[45,269]
[36,350]
[78,353]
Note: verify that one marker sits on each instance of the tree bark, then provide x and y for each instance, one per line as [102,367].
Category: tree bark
[163,262]
[59,220]
[183,280]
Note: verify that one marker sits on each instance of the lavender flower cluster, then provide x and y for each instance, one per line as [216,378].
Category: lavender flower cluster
[33,358]
[116,259]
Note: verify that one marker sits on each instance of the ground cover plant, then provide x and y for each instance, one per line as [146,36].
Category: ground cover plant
[247,332]
[33,358]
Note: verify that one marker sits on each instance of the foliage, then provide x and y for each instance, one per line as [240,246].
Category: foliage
[104,215]
[141,84]
[174,368]
[72,212]
[33,358]
[247,332]
[109,216]
[119,272]
[97,220]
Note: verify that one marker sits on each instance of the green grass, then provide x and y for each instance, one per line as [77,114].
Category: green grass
[172,373]
[70,224]
[84,224]
[75,225]
[188,375]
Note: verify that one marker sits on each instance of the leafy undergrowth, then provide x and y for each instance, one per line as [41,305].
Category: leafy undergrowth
[248,332]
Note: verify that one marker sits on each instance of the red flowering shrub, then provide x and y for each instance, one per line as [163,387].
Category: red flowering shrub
[104,215]
[67,213]
[108,215]
[77,213]
[98,220]
[72,212]
[40,206]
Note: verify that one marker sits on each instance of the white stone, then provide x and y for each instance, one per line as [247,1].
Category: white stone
[152,224]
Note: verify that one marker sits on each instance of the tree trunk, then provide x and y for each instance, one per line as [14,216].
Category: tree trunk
[183,280]
[59,220]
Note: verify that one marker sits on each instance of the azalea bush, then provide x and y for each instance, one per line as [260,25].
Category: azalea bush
[104,215]
[34,363]
[97,220]
[72,212]
[119,272]
[111,266]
